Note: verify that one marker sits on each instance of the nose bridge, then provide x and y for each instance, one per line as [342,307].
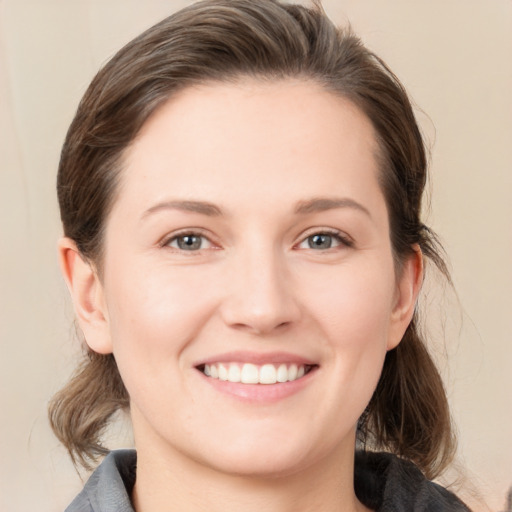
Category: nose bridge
[260,292]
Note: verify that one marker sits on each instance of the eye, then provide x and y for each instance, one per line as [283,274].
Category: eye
[189,242]
[324,240]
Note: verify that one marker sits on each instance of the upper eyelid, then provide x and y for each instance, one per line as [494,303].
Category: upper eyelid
[165,240]
[343,241]
[342,235]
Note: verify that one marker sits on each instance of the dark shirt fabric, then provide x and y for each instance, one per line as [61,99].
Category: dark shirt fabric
[383,483]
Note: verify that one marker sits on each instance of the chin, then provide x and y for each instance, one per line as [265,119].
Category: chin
[263,456]
[258,465]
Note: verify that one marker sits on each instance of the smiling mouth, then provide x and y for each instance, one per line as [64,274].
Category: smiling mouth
[249,373]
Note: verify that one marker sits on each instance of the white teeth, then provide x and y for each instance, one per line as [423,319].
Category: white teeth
[223,372]
[252,374]
[234,373]
[268,374]
[282,373]
[249,374]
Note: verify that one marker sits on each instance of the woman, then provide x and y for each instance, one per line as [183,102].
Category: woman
[241,192]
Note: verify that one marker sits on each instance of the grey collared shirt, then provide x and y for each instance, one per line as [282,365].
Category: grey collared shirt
[382,481]
[108,488]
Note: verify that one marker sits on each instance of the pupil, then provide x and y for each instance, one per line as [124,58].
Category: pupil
[189,242]
[320,241]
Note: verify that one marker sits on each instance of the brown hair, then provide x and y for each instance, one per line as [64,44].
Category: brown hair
[219,40]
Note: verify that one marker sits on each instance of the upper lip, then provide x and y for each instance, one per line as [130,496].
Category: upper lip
[257,358]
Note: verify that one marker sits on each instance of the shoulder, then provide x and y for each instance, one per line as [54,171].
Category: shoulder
[385,483]
[109,487]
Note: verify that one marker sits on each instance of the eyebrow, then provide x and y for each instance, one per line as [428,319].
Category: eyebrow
[317,204]
[202,207]
[320,204]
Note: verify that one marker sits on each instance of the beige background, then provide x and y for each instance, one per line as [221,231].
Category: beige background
[454,56]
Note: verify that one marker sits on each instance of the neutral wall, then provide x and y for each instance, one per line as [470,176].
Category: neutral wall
[454,56]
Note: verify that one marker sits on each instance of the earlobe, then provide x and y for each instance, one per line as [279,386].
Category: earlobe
[408,288]
[87,295]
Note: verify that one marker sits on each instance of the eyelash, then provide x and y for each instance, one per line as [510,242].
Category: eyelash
[341,239]
[166,242]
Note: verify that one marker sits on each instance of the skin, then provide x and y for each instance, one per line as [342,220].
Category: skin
[262,154]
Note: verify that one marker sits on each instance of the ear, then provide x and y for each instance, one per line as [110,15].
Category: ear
[408,287]
[87,295]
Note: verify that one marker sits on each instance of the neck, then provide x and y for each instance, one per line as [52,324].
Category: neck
[166,484]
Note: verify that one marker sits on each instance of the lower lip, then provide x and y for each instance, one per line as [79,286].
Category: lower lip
[262,393]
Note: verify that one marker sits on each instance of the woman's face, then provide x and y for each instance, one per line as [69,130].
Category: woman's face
[250,242]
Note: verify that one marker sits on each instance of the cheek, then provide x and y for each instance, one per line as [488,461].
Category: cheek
[356,299]
[353,313]
[153,318]
[155,313]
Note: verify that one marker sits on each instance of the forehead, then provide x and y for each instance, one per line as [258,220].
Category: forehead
[232,139]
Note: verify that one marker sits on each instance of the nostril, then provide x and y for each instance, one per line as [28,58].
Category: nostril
[260,328]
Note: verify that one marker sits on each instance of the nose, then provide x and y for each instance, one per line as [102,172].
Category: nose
[260,296]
